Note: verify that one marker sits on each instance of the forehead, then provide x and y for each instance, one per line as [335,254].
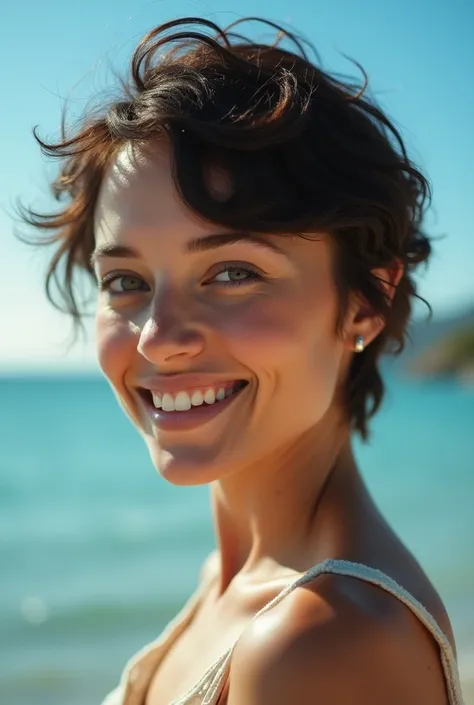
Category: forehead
[138,190]
[138,206]
[136,187]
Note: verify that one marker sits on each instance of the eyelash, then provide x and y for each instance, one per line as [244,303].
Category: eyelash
[106,282]
[254,275]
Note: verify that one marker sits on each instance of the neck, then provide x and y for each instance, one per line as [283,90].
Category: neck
[293,509]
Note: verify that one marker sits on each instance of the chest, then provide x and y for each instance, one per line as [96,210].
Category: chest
[215,628]
[189,658]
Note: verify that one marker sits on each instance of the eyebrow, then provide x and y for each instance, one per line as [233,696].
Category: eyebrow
[200,244]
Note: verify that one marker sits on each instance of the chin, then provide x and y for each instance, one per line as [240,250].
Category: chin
[187,466]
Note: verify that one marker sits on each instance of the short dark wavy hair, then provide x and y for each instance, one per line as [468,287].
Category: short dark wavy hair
[305,152]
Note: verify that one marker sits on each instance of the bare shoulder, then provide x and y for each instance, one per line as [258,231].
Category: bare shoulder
[339,641]
[209,567]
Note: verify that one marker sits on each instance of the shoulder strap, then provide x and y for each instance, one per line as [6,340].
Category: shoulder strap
[376,577]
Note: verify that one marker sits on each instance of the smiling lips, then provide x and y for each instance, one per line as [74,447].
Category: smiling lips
[189,408]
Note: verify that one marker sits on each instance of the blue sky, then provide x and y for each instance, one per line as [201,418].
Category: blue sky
[419,55]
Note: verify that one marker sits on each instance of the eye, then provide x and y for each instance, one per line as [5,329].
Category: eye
[235,275]
[123,284]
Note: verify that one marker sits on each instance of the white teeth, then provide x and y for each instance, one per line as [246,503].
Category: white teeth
[210,396]
[182,402]
[197,399]
[167,403]
[157,400]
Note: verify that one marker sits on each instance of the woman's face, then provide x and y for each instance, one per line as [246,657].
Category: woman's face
[188,310]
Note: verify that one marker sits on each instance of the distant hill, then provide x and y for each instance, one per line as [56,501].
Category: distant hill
[441,347]
[425,333]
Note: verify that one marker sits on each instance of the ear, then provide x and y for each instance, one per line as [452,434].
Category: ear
[362,320]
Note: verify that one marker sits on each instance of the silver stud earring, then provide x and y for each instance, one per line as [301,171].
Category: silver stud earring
[359,344]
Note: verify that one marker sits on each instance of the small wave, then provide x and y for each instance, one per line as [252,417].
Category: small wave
[89,619]
[33,681]
[82,526]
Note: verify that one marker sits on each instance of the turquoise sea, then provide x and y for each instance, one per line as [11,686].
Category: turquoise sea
[97,552]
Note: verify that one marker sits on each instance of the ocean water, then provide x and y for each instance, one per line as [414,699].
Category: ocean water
[97,553]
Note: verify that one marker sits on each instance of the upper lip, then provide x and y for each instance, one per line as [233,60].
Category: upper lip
[185,382]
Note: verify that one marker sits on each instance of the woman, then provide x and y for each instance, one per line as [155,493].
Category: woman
[253,225]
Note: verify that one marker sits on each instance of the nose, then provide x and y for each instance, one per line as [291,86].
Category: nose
[169,336]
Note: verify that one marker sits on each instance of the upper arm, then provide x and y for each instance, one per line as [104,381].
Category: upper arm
[334,654]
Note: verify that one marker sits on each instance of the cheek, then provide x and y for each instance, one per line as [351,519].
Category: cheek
[273,330]
[257,325]
[290,344]
[116,343]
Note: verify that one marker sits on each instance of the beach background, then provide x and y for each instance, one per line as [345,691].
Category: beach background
[97,552]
